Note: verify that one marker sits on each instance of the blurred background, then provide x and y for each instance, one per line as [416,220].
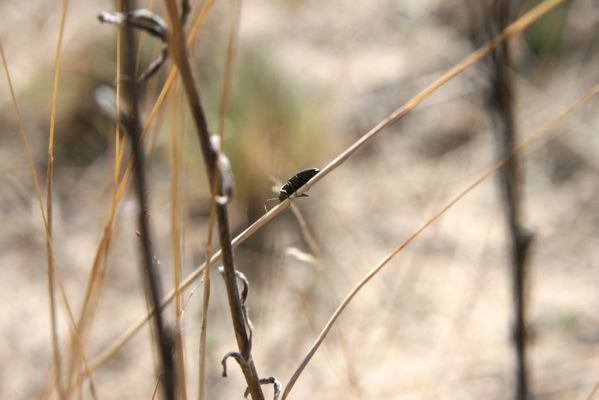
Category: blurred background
[308,79]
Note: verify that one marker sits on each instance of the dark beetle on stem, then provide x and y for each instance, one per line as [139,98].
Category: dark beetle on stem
[294,183]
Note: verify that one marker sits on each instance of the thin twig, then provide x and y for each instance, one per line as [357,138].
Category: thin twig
[175,166]
[206,294]
[38,192]
[178,52]
[270,380]
[229,63]
[500,106]
[593,392]
[152,278]
[49,213]
[353,378]
[236,356]
[515,28]
[227,78]
[95,280]
[92,291]
[440,212]
[244,295]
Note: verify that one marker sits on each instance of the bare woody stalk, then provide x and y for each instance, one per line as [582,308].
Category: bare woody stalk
[152,278]
[179,55]
[224,97]
[95,280]
[500,106]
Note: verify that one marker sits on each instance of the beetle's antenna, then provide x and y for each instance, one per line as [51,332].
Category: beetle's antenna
[267,201]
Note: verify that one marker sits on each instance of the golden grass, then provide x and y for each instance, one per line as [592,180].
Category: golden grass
[50,178]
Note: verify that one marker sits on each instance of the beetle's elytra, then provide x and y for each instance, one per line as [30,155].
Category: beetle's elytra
[296,182]
[293,184]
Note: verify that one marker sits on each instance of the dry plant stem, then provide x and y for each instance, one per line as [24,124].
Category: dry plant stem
[152,278]
[229,62]
[206,300]
[99,265]
[176,244]
[423,227]
[306,233]
[353,378]
[500,107]
[140,41]
[518,26]
[104,245]
[207,288]
[178,51]
[225,90]
[155,391]
[50,177]
[95,280]
[43,213]
[593,392]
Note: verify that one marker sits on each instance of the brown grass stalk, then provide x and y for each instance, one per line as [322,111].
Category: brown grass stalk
[175,166]
[38,192]
[95,280]
[206,298]
[49,185]
[593,392]
[229,63]
[353,377]
[438,214]
[104,245]
[99,265]
[500,107]
[223,106]
[210,156]
[153,284]
[515,28]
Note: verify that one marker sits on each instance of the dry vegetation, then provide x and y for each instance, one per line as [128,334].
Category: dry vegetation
[292,85]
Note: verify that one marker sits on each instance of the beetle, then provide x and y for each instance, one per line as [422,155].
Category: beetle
[294,184]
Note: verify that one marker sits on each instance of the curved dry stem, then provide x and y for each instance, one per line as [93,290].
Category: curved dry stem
[104,244]
[513,29]
[38,192]
[206,277]
[224,102]
[95,280]
[353,378]
[49,184]
[211,157]
[423,227]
